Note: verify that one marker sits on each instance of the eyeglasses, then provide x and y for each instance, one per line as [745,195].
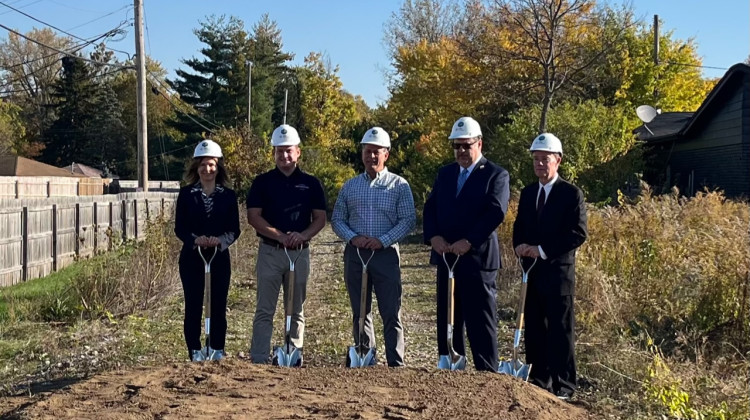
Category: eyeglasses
[464,146]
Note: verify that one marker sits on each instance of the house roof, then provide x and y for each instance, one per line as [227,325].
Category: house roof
[671,125]
[11,165]
[81,169]
[663,125]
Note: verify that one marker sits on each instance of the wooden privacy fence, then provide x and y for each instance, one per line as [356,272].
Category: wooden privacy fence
[49,186]
[59,186]
[39,236]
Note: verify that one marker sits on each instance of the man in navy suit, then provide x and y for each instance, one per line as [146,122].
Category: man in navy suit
[551,224]
[466,205]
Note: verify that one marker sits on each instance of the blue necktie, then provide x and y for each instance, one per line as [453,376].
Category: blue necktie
[461,179]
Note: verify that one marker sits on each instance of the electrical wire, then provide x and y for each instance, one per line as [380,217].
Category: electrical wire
[55,49]
[55,27]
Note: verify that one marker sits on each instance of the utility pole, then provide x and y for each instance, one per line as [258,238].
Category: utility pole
[249,90]
[656,58]
[656,39]
[286,95]
[140,61]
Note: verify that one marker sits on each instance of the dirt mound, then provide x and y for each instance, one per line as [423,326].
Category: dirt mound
[237,389]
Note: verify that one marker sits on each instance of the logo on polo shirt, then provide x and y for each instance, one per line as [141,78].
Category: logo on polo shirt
[302,187]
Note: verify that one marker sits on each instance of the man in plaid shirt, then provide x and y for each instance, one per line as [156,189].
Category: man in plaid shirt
[374,211]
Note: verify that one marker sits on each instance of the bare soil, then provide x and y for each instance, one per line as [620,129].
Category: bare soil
[234,388]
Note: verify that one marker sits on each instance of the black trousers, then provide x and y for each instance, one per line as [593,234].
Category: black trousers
[474,308]
[192,275]
[550,341]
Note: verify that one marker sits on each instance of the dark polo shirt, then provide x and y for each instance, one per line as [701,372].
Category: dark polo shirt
[287,202]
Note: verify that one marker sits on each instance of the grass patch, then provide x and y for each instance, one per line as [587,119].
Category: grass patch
[27,301]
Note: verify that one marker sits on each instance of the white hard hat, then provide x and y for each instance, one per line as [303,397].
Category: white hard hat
[284,135]
[546,142]
[378,137]
[465,128]
[207,148]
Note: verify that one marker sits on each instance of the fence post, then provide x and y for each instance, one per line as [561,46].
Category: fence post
[96,229]
[124,213]
[24,243]
[54,237]
[111,228]
[78,230]
[135,217]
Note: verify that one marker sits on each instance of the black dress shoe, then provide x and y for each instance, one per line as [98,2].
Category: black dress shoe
[563,395]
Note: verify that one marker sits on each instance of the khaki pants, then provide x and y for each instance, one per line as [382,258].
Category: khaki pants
[272,268]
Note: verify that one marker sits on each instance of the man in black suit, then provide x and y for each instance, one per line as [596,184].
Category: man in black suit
[551,224]
[466,205]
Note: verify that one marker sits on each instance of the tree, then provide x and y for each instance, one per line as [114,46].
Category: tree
[88,127]
[420,20]
[28,72]
[12,130]
[74,98]
[167,149]
[217,84]
[269,69]
[592,134]
[328,115]
[629,77]
[549,38]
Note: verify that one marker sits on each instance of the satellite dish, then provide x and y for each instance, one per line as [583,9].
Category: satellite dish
[646,113]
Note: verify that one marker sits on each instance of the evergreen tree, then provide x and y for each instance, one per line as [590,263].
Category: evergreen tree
[217,85]
[107,145]
[269,69]
[75,100]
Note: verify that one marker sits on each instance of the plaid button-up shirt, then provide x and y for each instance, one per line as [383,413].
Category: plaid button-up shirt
[382,208]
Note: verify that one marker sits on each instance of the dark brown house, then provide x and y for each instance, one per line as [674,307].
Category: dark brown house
[707,148]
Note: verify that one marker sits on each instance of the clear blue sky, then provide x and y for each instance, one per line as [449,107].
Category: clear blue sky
[349,31]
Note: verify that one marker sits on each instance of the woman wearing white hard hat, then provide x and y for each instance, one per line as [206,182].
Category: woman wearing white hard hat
[206,221]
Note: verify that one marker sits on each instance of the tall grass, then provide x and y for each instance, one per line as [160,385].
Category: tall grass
[662,303]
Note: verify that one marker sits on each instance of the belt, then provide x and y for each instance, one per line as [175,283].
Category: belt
[279,245]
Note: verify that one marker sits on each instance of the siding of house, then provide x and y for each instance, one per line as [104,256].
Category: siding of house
[717,155]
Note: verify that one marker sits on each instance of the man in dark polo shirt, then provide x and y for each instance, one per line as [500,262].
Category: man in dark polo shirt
[287,207]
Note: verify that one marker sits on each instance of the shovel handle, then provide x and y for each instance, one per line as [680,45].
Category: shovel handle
[451,300]
[290,294]
[207,293]
[362,305]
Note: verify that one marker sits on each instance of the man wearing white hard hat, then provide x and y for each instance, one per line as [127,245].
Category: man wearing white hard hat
[373,212]
[468,202]
[206,218]
[287,208]
[550,226]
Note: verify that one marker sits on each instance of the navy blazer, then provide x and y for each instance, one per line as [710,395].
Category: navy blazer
[191,220]
[559,230]
[474,214]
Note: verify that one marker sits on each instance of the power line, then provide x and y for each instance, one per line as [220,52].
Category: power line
[181,111]
[55,49]
[103,16]
[695,65]
[168,88]
[25,5]
[93,76]
[71,50]
[110,33]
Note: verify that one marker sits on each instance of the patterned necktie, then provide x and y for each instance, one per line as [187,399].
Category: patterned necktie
[462,179]
[540,203]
